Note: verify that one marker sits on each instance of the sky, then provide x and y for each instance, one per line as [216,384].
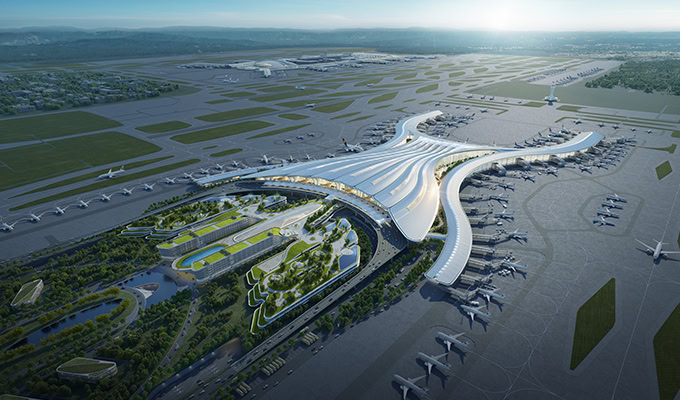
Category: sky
[501,15]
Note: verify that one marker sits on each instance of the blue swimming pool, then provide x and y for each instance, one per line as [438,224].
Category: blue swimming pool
[200,255]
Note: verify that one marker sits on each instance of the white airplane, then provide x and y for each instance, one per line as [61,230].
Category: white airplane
[514,267]
[410,384]
[615,126]
[586,169]
[352,148]
[308,157]
[577,121]
[616,197]
[528,177]
[483,110]
[36,217]
[59,211]
[219,167]
[601,221]
[148,187]
[601,124]
[311,134]
[489,293]
[611,204]
[235,164]
[433,361]
[290,159]
[657,251]
[606,213]
[449,340]
[551,171]
[505,215]
[310,105]
[506,186]
[170,181]
[205,171]
[330,155]
[501,198]
[265,160]
[649,131]
[8,227]
[472,311]
[189,175]
[127,192]
[111,174]
[492,98]
[84,204]
[300,88]
[287,141]
[300,137]
[633,129]
[105,197]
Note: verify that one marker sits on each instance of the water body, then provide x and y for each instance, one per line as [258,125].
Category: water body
[72,320]
[166,286]
[187,262]
[347,260]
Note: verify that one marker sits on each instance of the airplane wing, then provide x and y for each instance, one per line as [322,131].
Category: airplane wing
[404,391]
[416,379]
[650,248]
[670,252]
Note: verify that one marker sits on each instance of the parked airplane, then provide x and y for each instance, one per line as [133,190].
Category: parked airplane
[449,340]
[601,221]
[205,171]
[577,121]
[611,204]
[505,215]
[235,164]
[290,159]
[126,191]
[310,105]
[615,126]
[308,157]
[330,155]
[528,177]
[265,160]
[189,175]
[84,204]
[606,213]
[410,384]
[586,169]
[472,311]
[311,134]
[8,227]
[59,211]
[355,148]
[36,217]
[170,181]
[433,361]
[112,174]
[483,110]
[148,187]
[518,146]
[300,137]
[514,267]
[506,185]
[617,198]
[489,293]
[657,251]
[551,171]
[105,197]
[649,131]
[601,124]
[287,141]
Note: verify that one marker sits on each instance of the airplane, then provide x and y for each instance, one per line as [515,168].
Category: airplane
[265,160]
[528,177]
[84,204]
[633,129]
[611,204]
[551,171]
[657,251]
[449,340]
[290,159]
[601,221]
[489,293]
[492,98]
[518,146]
[8,227]
[205,171]
[649,131]
[586,169]
[330,155]
[431,361]
[499,198]
[514,267]
[472,311]
[311,134]
[483,97]
[506,186]
[577,121]
[505,215]
[406,384]
[105,197]
[615,126]
[601,124]
[219,167]
[59,211]
[483,110]
[517,235]
[469,96]
[300,137]
[170,181]
[300,88]
[606,213]
[287,141]
[189,175]
[352,147]
[36,218]
[148,187]
[310,105]
[235,164]
[111,174]
[127,192]
[615,197]
[308,157]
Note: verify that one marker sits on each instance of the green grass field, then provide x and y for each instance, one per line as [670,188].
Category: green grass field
[347,115]
[52,126]
[669,149]
[383,106]
[234,114]
[28,164]
[331,108]
[163,127]
[301,103]
[663,170]
[383,97]
[239,94]
[275,89]
[675,134]
[293,116]
[220,101]
[427,88]
[93,175]
[109,182]
[667,356]
[368,82]
[569,108]
[406,76]
[594,320]
[277,131]
[350,93]
[361,118]
[226,152]
[287,95]
[220,131]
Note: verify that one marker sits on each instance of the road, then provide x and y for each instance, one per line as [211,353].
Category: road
[389,243]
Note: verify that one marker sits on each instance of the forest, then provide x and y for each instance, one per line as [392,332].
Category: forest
[647,76]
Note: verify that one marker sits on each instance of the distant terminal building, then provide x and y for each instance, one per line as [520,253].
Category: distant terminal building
[86,369]
[222,225]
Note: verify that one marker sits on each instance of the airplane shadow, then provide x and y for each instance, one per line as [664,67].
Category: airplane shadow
[497,303]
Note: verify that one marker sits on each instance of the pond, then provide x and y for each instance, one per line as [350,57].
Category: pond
[166,286]
[348,260]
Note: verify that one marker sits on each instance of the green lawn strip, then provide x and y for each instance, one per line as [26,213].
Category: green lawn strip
[350,93]
[401,109]
[163,127]
[406,101]
[361,118]
[220,101]
[480,70]
[594,320]
[431,73]
[32,163]
[275,89]
[368,82]
[108,182]
[663,170]
[405,76]
[383,97]
[293,116]
[667,355]
[234,114]
[427,88]
[675,134]
[535,104]
[220,132]
[287,95]
[210,147]
[433,77]
[383,106]
[93,175]
[52,126]
[277,131]
[670,149]
[296,249]
[225,152]
[331,108]
[454,83]
[327,85]
[501,112]
[347,115]
[391,85]
[239,94]
[301,103]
